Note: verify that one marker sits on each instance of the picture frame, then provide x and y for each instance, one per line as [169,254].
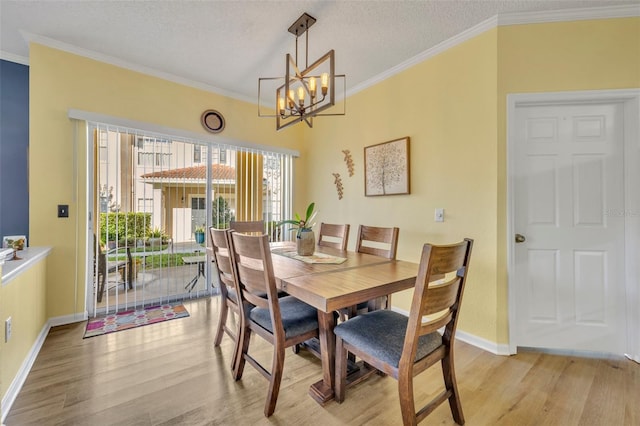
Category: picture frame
[386,168]
[12,241]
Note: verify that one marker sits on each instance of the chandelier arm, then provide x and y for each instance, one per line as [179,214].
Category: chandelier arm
[306,49]
[298,111]
[320,97]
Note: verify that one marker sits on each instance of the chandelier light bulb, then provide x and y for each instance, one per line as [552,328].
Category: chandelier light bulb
[301,96]
[291,98]
[312,87]
[324,78]
[281,105]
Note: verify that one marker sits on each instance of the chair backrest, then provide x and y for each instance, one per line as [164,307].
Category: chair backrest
[432,297]
[334,232]
[247,226]
[377,241]
[253,269]
[222,257]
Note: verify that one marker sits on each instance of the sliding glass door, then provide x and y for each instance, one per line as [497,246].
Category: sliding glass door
[154,196]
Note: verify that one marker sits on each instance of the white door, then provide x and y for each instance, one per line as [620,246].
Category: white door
[568,204]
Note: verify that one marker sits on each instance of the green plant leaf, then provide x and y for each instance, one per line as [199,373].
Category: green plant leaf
[310,211]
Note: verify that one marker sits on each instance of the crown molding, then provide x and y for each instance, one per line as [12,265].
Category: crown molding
[583,14]
[429,53]
[608,12]
[49,42]
[6,56]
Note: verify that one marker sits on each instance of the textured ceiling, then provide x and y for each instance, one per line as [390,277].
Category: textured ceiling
[227,45]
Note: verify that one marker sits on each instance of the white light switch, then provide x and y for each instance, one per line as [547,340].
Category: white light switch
[439,215]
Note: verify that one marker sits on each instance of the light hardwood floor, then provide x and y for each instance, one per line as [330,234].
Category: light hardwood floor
[170,374]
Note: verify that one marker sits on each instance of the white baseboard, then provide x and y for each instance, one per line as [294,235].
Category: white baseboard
[13,390]
[479,342]
[68,319]
[633,358]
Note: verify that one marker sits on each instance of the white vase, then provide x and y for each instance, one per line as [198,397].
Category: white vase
[306,243]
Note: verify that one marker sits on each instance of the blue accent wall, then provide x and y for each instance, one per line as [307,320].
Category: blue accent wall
[14,149]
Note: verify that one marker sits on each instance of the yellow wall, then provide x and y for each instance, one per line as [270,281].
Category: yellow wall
[447,106]
[23,299]
[60,81]
[453,106]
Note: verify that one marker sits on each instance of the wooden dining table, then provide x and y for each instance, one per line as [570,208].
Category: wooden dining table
[331,287]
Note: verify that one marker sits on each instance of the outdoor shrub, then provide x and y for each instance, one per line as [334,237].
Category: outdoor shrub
[124,226]
[221,214]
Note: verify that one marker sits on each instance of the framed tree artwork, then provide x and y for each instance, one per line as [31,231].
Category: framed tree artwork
[386,168]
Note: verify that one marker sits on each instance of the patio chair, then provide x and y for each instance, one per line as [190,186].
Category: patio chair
[108,263]
[404,347]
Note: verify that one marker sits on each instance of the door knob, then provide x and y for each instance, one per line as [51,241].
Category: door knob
[520,238]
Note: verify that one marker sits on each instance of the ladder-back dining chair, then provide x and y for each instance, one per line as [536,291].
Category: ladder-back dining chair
[283,322]
[333,235]
[378,241]
[404,347]
[228,293]
[381,242]
[247,226]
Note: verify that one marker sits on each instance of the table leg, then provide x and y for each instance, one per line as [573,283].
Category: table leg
[195,279]
[322,391]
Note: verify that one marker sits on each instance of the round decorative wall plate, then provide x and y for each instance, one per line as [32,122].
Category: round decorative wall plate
[212,121]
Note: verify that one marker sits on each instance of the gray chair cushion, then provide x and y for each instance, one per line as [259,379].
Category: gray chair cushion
[297,317]
[381,334]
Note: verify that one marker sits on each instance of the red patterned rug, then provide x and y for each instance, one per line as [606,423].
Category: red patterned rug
[134,318]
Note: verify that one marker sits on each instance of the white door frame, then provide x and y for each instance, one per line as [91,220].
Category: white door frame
[630,99]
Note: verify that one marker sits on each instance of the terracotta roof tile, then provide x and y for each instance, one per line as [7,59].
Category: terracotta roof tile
[218,172]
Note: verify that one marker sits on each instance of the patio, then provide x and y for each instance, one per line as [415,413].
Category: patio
[159,283]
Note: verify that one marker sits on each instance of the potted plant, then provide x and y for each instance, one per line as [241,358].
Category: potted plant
[199,234]
[305,238]
[154,237]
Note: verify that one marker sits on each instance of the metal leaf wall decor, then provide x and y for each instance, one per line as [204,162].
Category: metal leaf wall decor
[349,160]
[338,183]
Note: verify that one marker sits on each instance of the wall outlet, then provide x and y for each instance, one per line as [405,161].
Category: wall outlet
[439,215]
[7,329]
[63,210]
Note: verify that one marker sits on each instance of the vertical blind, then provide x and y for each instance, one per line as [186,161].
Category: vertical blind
[154,193]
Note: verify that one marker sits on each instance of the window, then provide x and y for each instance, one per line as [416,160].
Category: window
[163,160]
[198,203]
[197,154]
[145,205]
[223,156]
[145,159]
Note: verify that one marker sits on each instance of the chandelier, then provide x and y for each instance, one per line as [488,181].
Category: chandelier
[306,94]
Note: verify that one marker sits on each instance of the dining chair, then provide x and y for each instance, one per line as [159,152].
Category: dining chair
[228,293]
[378,241]
[403,347]
[247,226]
[332,235]
[283,322]
[381,242]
